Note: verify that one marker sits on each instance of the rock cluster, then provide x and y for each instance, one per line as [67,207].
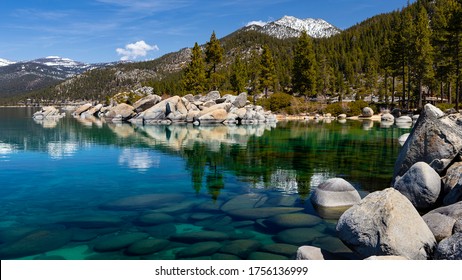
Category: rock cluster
[209,109]
[427,176]
[48,112]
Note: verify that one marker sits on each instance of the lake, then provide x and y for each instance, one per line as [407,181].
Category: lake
[89,189]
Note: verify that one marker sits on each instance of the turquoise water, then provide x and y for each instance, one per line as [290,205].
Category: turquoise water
[87,189]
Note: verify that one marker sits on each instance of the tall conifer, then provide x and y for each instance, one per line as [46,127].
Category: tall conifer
[304,67]
[194,77]
[267,70]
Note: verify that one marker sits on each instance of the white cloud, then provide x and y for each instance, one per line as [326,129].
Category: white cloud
[257,22]
[136,50]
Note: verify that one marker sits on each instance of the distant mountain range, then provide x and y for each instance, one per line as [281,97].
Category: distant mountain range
[291,27]
[26,76]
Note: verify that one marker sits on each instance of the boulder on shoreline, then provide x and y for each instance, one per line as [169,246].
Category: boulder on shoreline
[435,139]
[386,223]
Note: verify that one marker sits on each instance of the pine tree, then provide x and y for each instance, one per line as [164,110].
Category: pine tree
[238,77]
[267,70]
[213,52]
[455,46]
[423,53]
[194,77]
[214,56]
[304,67]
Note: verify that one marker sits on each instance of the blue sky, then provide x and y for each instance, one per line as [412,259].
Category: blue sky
[110,30]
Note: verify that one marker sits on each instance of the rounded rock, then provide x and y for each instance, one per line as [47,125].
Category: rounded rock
[335,192]
[367,112]
[421,185]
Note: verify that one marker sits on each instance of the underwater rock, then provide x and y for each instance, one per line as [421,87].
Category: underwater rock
[144,201]
[262,213]
[241,248]
[265,256]
[194,237]
[284,249]
[293,220]
[225,257]
[298,236]
[119,241]
[199,249]
[151,219]
[244,201]
[93,221]
[36,242]
[146,247]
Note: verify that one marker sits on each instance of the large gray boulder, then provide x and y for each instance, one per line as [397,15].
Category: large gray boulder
[146,102]
[386,223]
[122,110]
[421,185]
[160,111]
[81,109]
[455,194]
[450,248]
[335,192]
[442,221]
[241,100]
[435,139]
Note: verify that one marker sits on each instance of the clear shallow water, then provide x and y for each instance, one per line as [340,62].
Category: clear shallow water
[85,189]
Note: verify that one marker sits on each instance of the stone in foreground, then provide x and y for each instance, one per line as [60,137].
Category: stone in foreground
[309,253]
[386,223]
[335,192]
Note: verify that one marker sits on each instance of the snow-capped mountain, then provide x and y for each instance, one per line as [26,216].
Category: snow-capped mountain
[290,27]
[5,62]
[23,76]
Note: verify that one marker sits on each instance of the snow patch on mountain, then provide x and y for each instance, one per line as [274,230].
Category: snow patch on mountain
[290,27]
[5,62]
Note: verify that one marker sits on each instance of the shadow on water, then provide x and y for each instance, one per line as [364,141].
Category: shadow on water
[118,191]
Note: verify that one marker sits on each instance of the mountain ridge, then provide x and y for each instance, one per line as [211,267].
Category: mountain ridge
[291,27]
[25,76]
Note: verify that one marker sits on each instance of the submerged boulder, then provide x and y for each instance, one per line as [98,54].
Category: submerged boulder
[335,192]
[386,223]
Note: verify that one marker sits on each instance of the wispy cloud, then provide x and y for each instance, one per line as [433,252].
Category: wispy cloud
[136,50]
[147,6]
[41,14]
